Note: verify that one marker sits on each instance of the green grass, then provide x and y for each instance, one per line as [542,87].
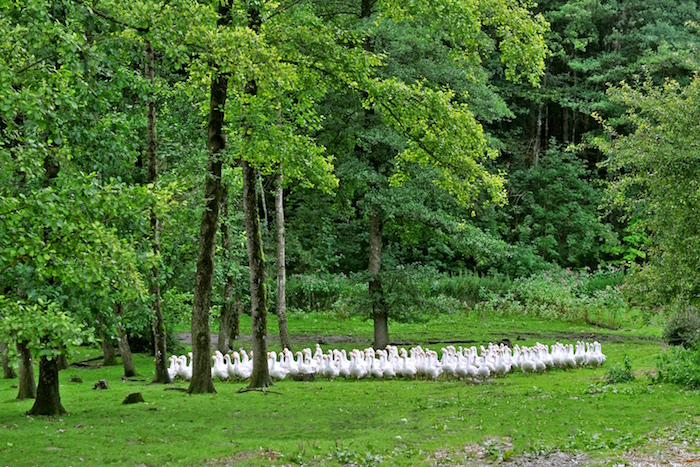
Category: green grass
[365,422]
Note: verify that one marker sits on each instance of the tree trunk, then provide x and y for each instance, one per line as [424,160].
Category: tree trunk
[258,292]
[110,354]
[263,202]
[48,399]
[124,349]
[226,319]
[565,125]
[380,314]
[158,325]
[235,319]
[260,378]
[201,381]
[223,343]
[27,384]
[62,362]
[281,265]
[7,370]
[537,144]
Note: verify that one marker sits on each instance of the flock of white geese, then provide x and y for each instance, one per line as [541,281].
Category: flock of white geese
[478,364]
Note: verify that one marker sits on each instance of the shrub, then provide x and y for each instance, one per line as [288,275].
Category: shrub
[562,294]
[411,294]
[469,287]
[620,373]
[318,291]
[681,366]
[683,328]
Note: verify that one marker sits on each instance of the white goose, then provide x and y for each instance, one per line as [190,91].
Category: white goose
[388,371]
[172,369]
[277,371]
[219,369]
[243,371]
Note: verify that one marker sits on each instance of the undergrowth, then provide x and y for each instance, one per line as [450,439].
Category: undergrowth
[620,372]
[680,366]
[563,294]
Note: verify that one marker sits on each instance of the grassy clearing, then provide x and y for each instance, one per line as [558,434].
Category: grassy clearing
[365,422]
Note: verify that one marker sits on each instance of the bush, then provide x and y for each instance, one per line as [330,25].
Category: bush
[411,293]
[680,366]
[562,294]
[683,328]
[620,373]
[469,287]
[314,292]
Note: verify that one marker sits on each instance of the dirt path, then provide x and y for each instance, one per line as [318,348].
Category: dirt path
[665,452]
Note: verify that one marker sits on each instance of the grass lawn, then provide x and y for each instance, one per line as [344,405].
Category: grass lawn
[446,422]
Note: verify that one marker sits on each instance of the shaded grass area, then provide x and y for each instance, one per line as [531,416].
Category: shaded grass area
[361,423]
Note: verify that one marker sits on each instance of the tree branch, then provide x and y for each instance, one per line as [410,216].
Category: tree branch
[118,21]
[282,9]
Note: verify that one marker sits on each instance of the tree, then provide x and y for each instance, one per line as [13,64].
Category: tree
[60,249]
[8,372]
[657,171]
[281,262]
[229,322]
[413,113]
[201,381]
[554,207]
[48,331]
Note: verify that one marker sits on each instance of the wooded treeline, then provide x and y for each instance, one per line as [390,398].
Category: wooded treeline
[163,160]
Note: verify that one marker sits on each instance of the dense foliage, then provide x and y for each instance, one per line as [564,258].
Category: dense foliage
[434,156]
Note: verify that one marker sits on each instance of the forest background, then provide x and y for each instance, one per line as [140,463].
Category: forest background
[375,158]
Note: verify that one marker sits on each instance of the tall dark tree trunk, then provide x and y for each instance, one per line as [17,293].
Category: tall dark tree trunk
[7,371]
[27,384]
[565,125]
[229,319]
[48,399]
[281,264]
[123,341]
[159,341]
[201,381]
[380,314]
[260,377]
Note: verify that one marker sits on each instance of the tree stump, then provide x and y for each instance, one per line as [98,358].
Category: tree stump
[101,384]
[133,398]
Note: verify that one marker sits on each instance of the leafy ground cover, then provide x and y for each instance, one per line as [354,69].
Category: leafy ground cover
[399,422]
